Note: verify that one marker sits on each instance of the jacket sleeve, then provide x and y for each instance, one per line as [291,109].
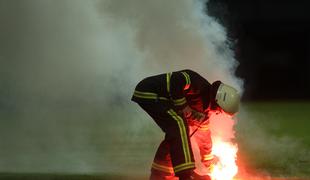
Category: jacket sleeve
[179,82]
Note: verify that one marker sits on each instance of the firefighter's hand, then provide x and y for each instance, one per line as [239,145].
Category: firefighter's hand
[198,115]
[187,112]
[209,164]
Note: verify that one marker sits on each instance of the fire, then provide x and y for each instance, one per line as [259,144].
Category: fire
[225,168]
[223,148]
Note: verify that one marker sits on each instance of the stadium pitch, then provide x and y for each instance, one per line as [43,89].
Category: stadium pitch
[273,140]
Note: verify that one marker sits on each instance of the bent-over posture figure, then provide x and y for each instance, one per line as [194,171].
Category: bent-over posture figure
[175,100]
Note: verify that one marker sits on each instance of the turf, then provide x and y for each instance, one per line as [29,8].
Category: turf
[48,176]
[273,139]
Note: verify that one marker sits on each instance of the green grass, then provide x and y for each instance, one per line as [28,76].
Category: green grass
[47,176]
[89,143]
[283,118]
[274,137]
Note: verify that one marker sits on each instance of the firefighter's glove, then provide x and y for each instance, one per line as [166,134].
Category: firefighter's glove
[211,163]
[189,113]
[198,116]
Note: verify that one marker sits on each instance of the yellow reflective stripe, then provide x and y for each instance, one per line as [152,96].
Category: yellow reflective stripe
[204,127]
[208,157]
[145,97]
[183,134]
[148,95]
[184,166]
[163,98]
[179,102]
[187,78]
[162,168]
[168,76]
[145,93]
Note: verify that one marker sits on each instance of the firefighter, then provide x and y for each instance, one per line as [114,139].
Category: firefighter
[175,100]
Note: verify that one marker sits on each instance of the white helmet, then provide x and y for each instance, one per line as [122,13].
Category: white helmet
[227,98]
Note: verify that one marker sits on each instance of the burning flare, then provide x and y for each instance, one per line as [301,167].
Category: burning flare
[225,168]
[223,148]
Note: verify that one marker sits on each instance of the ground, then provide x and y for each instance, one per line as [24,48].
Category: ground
[273,138]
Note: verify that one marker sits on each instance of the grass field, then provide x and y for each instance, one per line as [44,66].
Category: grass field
[273,140]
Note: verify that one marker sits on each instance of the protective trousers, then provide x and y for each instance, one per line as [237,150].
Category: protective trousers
[202,137]
[176,146]
[162,168]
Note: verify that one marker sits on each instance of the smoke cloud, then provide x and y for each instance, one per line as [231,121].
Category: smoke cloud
[175,35]
[266,153]
[68,69]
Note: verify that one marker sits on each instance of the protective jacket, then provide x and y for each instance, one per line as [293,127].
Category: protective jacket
[181,88]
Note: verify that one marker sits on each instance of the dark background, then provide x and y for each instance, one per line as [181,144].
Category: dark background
[272,43]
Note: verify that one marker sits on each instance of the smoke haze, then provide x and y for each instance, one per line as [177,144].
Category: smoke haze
[68,69]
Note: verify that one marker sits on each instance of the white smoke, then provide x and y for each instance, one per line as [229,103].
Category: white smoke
[266,153]
[175,35]
[72,66]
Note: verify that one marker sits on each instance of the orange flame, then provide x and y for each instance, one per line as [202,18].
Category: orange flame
[223,147]
[225,168]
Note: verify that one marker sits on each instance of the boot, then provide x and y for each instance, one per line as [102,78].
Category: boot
[191,175]
[196,176]
[160,175]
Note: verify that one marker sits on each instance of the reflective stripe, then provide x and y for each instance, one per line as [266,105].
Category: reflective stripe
[145,93]
[163,98]
[148,95]
[168,76]
[179,102]
[184,166]
[208,157]
[204,127]
[187,79]
[185,144]
[163,168]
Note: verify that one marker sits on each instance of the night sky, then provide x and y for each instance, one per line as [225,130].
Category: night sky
[272,42]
